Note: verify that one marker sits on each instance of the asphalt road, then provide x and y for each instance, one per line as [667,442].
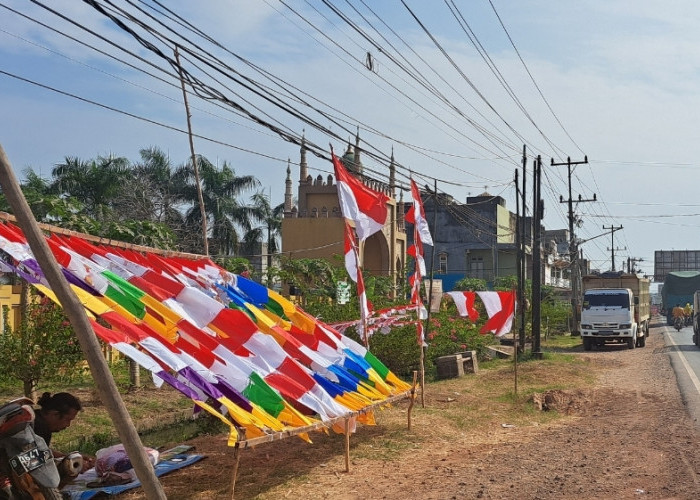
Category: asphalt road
[685,359]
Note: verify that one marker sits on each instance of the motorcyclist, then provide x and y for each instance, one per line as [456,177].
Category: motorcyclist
[51,414]
[688,313]
[56,414]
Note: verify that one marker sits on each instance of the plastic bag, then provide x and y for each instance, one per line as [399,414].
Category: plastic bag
[114,459]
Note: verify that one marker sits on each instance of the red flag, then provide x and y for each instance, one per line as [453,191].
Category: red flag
[416,216]
[362,205]
[500,306]
[465,304]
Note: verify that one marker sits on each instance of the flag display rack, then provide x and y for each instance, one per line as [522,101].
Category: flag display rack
[243,443]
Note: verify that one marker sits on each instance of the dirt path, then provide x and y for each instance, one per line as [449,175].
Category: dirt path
[629,437]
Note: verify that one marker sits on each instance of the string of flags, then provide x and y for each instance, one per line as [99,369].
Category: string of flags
[238,350]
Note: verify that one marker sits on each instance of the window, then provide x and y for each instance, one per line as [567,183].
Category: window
[476,267]
[442,263]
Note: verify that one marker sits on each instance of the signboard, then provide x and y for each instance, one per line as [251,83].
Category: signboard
[434,302]
[342,292]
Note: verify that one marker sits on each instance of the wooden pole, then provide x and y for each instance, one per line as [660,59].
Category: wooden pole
[347,444]
[106,387]
[194,157]
[236,463]
[413,398]
[430,295]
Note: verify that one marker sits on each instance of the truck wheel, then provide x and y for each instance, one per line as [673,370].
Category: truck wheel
[587,344]
[642,341]
[631,341]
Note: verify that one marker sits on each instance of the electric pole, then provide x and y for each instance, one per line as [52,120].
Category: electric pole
[612,248]
[631,261]
[537,215]
[573,249]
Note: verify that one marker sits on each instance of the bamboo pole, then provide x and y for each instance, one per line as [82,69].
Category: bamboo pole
[106,387]
[347,444]
[236,463]
[413,398]
[202,209]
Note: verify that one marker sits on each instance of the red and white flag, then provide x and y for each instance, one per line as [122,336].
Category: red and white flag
[352,266]
[416,216]
[465,304]
[416,251]
[362,205]
[500,306]
[351,260]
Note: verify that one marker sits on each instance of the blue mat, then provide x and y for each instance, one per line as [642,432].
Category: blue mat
[80,491]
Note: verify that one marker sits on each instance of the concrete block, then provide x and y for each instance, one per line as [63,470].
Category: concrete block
[469,361]
[450,366]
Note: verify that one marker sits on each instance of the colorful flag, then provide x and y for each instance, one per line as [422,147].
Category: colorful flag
[362,205]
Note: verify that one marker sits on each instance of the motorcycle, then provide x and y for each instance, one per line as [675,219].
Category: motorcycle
[678,323]
[26,462]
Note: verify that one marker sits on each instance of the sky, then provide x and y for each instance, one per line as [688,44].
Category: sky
[453,88]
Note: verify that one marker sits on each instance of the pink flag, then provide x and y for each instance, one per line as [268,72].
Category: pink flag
[500,306]
[465,304]
[362,205]
[416,216]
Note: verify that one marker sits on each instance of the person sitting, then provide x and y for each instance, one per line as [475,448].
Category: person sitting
[55,413]
[678,312]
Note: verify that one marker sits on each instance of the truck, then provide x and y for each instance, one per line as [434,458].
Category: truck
[678,289]
[616,309]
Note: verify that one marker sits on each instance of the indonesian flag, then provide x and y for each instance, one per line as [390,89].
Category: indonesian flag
[416,251]
[465,304]
[364,206]
[352,265]
[500,306]
[351,260]
[416,216]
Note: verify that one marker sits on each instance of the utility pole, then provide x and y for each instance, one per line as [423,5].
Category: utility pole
[573,250]
[631,261]
[537,214]
[612,248]
[523,256]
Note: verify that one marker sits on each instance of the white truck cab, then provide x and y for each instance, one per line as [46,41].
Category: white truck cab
[608,315]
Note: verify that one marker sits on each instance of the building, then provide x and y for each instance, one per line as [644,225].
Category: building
[10,297]
[477,239]
[667,261]
[314,227]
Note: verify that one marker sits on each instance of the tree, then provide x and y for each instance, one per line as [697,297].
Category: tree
[268,231]
[310,277]
[226,216]
[96,183]
[42,346]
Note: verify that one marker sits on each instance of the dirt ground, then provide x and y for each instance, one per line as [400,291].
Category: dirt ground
[628,436]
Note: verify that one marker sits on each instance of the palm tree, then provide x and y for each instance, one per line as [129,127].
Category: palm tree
[269,230]
[153,191]
[226,216]
[96,183]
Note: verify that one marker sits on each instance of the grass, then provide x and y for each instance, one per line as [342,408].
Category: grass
[454,408]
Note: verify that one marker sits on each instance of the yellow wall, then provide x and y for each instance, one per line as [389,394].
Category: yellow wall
[305,238]
[9,297]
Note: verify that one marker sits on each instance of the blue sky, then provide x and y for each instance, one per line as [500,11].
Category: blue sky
[620,77]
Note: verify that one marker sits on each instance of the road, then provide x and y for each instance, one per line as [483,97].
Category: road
[685,359]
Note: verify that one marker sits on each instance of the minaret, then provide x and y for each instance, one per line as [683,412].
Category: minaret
[392,174]
[303,166]
[358,165]
[288,189]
